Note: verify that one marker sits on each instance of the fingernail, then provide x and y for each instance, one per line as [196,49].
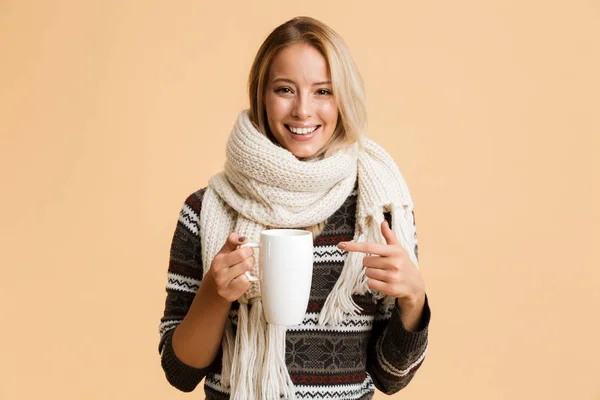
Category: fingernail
[342,245]
[242,239]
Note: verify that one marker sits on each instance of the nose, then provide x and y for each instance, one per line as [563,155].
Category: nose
[302,107]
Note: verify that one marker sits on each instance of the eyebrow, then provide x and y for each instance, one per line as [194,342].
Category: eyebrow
[292,82]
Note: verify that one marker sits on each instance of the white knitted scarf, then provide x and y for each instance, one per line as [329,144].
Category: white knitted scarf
[265,186]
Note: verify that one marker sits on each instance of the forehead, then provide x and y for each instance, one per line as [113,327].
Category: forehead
[299,62]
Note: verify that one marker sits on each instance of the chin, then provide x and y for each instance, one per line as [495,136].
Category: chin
[302,153]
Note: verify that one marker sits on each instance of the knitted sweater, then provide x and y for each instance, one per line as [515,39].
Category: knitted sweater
[367,351]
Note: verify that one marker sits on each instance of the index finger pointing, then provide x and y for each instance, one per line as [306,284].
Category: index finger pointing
[367,248]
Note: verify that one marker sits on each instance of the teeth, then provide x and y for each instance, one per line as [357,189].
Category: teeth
[302,131]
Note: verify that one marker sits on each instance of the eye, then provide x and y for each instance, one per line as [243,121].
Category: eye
[283,90]
[323,92]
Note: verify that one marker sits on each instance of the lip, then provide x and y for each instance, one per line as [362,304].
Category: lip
[302,126]
[303,138]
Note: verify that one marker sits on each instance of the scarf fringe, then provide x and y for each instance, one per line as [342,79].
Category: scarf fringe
[340,302]
[259,326]
[276,381]
[258,370]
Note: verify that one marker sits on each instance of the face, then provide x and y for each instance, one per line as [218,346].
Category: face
[301,110]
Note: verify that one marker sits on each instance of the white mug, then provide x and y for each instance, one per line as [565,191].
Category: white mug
[285,266]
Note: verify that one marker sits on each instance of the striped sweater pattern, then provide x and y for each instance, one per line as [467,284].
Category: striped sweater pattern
[348,361]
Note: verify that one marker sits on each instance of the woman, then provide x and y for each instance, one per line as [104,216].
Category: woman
[298,158]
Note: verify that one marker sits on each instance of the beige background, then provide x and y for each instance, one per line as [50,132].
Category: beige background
[112,112]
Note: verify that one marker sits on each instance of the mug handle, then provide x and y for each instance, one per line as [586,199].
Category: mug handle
[251,278]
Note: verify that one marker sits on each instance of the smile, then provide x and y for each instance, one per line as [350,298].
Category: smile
[302,131]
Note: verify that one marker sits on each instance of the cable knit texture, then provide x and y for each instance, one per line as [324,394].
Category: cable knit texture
[265,186]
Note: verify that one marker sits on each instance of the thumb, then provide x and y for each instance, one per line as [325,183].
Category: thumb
[233,241]
[388,233]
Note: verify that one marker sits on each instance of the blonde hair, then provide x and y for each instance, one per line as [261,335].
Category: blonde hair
[348,89]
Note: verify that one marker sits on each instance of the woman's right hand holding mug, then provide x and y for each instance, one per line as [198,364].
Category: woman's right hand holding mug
[229,268]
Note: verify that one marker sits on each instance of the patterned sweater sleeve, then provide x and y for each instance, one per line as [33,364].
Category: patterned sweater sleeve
[395,354]
[184,277]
